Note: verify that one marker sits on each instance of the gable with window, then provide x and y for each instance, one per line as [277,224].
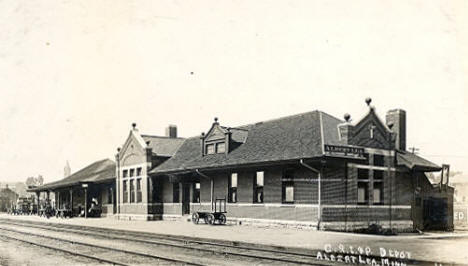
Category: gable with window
[371,132]
[216,141]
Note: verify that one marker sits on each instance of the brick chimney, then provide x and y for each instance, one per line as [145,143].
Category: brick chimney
[171,131]
[397,117]
[346,130]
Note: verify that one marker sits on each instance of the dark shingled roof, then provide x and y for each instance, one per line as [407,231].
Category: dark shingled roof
[163,146]
[293,137]
[97,172]
[414,162]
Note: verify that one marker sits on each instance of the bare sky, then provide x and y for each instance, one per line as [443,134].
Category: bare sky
[75,74]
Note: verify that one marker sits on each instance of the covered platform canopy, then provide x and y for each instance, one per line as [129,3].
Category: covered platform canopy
[102,171]
[71,193]
[415,162]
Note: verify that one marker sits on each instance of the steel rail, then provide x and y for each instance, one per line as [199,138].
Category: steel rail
[105,233]
[106,248]
[64,251]
[276,249]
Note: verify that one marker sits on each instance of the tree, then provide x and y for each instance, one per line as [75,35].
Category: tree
[34,181]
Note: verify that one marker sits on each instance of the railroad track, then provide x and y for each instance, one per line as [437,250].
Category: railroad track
[90,251]
[225,250]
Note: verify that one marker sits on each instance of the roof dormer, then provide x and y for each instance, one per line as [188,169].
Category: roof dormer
[217,140]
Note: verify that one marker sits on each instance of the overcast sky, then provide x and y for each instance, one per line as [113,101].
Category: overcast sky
[74,75]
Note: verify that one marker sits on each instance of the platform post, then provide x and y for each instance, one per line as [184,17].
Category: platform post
[38,196]
[71,201]
[57,200]
[212,193]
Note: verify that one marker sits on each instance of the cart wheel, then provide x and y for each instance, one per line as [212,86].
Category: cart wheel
[210,218]
[195,218]
[222,219]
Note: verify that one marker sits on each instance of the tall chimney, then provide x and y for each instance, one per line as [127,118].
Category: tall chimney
[346,130]
[397,117]
[171,131]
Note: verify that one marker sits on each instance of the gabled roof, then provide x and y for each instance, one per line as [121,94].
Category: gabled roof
[293,137]
[415,162]
[163,146]
[97,172]
[6,192]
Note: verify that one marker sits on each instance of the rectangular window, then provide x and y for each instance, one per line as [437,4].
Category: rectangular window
[210,149]
[258,187]
[175,192]
[139,171]
[125,191]
[132,172]
[288,192]
[363,174]
[221,147]
[379,160]
[132,191]
[378,193]
[196,193]
[125,173]
[363,196]
[138,199]
[233,188]
[378,175]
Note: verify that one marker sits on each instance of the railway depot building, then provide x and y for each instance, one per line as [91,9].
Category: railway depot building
[307,170]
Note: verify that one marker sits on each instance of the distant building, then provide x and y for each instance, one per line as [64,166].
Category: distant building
[460,184]
[7,198]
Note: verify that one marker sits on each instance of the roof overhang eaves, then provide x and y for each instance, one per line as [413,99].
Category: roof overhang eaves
[52,187]
[102,181]
[426,168]
[229,166]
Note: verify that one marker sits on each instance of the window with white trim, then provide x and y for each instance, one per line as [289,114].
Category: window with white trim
[232,188]
[210,148]
[258,186]
[363,186]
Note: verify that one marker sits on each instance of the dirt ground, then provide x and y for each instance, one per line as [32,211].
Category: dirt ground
[13,253]
[447,247]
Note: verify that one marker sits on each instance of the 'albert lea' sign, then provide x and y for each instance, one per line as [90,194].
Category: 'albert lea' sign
[343,151]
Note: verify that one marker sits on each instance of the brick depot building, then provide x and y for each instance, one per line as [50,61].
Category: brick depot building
[307,170]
